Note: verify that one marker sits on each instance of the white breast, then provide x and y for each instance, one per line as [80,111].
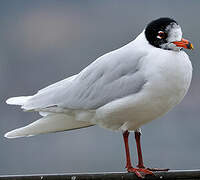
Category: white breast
[168,75]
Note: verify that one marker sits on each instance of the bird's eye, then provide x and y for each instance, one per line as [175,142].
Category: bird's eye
[161,35]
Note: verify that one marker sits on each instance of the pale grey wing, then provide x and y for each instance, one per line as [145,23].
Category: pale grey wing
[45,97]
[58,85]
[112,76]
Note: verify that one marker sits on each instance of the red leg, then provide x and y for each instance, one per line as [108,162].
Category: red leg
[128,158]
[139,151]
[129,167]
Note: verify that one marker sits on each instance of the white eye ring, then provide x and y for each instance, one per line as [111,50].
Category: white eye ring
[159,34]
[158,37]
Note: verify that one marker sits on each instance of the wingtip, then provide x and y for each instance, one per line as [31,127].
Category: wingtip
[11,135]
[21,100]
[9,101]
[7,135]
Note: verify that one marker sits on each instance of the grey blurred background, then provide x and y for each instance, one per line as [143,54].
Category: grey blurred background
[42,42]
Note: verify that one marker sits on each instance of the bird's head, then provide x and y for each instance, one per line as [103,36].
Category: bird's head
[165,33]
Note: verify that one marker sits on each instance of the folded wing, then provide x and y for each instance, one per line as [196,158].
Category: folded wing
[112,76]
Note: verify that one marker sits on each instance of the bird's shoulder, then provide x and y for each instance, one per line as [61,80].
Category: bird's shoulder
[117,70]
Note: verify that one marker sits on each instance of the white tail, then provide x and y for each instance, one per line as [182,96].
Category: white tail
[47,124]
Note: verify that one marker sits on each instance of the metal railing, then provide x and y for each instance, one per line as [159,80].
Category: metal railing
[170,175]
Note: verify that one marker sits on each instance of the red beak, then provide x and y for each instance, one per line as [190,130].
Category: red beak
[184,43]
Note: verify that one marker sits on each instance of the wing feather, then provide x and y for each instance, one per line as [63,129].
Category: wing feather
[112,76]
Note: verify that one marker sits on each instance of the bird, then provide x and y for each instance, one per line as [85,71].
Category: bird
[121,91]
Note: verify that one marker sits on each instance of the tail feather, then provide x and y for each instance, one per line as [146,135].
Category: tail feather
[47,124]
[21,100]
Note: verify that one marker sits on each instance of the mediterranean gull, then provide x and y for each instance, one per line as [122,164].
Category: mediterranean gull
[121,90]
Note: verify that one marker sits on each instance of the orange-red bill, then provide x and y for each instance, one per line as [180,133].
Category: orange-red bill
[184,43]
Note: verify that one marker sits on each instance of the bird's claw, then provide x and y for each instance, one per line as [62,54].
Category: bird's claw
[140,172]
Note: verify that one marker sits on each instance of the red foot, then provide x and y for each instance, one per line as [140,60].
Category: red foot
[138,171]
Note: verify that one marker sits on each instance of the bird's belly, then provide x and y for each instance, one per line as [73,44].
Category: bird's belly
[131,113]
[155,99]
